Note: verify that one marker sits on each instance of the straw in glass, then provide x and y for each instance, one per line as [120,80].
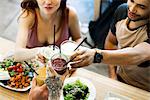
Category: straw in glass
[54,38]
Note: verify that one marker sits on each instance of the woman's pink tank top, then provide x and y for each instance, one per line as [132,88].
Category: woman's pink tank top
[33,42]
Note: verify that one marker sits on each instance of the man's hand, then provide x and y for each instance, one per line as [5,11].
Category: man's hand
[83,58]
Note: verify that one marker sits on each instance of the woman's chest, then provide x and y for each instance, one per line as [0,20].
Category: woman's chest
[47,33]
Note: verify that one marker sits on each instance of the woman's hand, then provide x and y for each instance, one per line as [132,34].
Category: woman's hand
[38,92]
[83,58]
[41,58]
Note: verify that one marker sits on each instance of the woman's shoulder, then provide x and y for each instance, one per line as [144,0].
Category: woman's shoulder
[27,17]
[72,11]
[73,18]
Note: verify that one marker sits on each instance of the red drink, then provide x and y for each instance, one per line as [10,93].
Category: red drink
[58,64]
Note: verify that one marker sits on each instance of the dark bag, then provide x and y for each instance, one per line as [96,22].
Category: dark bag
[99,29]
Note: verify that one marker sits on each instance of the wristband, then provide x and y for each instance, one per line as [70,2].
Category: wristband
[97,57]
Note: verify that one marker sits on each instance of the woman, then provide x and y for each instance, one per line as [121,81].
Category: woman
[36,26]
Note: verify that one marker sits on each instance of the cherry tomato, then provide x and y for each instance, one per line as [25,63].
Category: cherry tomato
[20,70]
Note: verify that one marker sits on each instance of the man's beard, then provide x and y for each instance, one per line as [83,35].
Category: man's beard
[139,17]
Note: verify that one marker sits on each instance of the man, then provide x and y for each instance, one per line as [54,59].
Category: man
[130,34]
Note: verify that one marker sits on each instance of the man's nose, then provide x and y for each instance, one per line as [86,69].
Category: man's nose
[133,8]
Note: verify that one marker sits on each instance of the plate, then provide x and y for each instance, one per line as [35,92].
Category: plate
[88,83]
[21,75]
[14,89]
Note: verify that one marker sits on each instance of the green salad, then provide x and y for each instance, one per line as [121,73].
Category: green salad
[75,91]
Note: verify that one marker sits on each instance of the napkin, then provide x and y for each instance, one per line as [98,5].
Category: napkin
[4,75]
[1,58]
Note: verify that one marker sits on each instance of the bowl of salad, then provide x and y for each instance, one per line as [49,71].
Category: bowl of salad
[78,88]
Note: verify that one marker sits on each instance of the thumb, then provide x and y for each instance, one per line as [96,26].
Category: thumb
[33,82]
[74,65]
[44,86]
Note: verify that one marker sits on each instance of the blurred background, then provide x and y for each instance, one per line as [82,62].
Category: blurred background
[87,10]
[9,12]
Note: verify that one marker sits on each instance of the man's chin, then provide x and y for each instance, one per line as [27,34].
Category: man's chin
[137,19]
[133,19]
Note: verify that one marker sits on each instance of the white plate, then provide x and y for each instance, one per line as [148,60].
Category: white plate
[15,89]
[86,82]
[9,55]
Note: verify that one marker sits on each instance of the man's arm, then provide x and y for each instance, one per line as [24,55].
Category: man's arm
[111,44]
[127,56]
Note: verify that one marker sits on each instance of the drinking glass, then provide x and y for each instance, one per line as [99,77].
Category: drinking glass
[40,78]
[58,62]
[48,51]
[68,47]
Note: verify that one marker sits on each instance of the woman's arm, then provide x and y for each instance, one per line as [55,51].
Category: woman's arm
[26,21]
[74,25]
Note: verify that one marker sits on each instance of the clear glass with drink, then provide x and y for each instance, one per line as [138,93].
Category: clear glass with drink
[49,51]
[58,62]
[68,47]
[40,78]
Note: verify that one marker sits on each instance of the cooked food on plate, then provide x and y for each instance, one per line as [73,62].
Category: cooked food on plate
[20,74]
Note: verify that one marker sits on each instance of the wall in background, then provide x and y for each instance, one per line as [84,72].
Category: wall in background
[84,8]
